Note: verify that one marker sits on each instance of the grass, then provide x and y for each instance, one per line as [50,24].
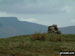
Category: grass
[28,46]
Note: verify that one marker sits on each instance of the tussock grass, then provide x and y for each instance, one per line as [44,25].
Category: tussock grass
[39,36]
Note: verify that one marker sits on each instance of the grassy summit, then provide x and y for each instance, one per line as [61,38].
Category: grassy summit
[27,46]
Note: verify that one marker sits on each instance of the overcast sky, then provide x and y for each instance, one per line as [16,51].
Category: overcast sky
[46,12]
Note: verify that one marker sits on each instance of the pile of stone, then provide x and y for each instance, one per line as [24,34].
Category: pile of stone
[53,29]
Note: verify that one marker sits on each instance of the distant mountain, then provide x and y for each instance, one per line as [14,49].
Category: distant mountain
[68,30]
[11,26]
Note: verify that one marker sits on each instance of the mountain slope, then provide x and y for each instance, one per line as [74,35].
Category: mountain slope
[68,30]
[11,26]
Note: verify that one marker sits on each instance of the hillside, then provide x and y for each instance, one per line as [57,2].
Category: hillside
[11,26]
[68,30]
[26,46]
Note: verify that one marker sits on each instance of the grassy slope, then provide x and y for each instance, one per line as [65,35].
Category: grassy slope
[25,46]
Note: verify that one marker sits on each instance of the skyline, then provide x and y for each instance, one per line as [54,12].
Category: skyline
[45,12]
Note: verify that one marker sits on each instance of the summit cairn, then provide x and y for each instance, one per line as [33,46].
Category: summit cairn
[53,29]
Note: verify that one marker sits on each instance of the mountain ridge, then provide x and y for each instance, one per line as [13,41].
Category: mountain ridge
[11,26]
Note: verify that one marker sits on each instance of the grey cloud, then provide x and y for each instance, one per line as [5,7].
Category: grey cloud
[29,7]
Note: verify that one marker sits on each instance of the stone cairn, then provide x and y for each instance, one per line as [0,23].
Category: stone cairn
[53,29]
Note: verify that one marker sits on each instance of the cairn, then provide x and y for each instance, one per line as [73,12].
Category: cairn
[53,29]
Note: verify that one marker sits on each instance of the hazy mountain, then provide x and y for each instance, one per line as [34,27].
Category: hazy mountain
[11,26]
[68,30]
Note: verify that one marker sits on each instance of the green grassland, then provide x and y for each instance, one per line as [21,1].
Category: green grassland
[27,46]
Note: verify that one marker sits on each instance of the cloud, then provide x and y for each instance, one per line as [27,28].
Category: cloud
[67,9]
[40,11]
[29,19]
[73,21]
[2,14]
[32,6]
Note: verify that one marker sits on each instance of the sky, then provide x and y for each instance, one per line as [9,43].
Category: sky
[45,12]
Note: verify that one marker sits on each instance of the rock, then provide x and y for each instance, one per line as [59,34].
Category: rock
[53,29]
